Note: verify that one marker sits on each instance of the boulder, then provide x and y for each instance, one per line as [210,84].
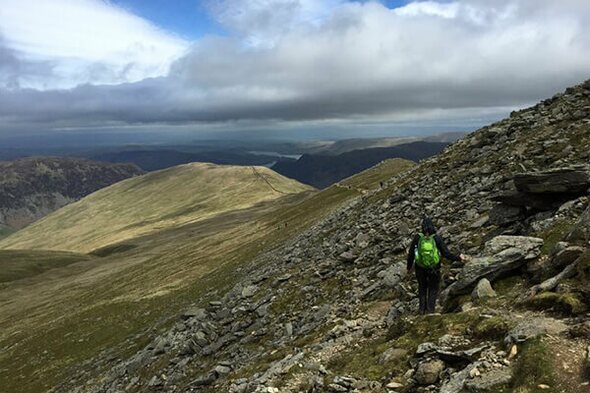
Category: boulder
[347,256]
[534,327]
[428,372]
[195,312]
[574,180]
[457,381]
[392,276]
[581,231]
[536,201]
[392,354]
[566,257]
[249,291]
[529,245]
[501,215]
[490,381]
[483,290]
[508,254]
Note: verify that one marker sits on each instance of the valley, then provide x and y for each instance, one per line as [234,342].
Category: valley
[112,299]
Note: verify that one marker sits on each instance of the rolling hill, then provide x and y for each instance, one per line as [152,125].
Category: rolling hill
[323,170]
[56,317]
[153,202]
[31,188]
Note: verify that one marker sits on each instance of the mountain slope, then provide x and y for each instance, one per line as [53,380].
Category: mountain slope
[324,170]
[31,188]
[55,322]
[153,202]
[347,145]
[332,309]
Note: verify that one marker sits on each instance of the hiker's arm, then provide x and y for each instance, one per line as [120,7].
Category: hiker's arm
[444,250]
[412,252]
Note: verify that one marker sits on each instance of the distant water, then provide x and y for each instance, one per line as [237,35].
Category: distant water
[275,154]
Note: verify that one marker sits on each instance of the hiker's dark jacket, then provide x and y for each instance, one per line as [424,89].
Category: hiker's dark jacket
[440,244]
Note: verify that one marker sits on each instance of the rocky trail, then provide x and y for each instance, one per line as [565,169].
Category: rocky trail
[334,311]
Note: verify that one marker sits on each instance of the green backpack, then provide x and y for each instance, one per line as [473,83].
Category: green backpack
[427,254]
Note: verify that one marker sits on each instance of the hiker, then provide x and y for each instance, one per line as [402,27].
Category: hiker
[425,254]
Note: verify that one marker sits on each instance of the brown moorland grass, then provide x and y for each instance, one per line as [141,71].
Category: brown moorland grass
[153,202]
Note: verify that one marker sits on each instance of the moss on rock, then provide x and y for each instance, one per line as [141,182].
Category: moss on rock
[567,303]
[496,327]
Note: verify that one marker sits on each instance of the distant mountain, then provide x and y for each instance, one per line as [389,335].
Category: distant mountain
[153,160]
[153,202]
[346,145]
[323,170]
[31,188]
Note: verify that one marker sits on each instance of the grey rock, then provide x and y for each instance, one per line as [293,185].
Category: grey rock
[504,214]
[288,329]
[581,231]
[425,348]
[392,354]
[490,380]
[155,383]
[509,253]
[204,380]
[249,291]
[347,256]
[222,370]
[393,275]
[457,381]
[534,327]
[195,312]
[565,257]
[483,290]
[563,180]
[428,372]
[137,361]
[529,246]
[334,387]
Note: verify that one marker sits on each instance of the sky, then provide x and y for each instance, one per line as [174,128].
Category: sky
[283,65]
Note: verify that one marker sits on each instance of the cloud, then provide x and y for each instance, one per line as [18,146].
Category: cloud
[84,41]
[346,62]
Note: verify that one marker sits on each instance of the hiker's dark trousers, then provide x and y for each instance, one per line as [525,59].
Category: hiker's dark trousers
[428,285]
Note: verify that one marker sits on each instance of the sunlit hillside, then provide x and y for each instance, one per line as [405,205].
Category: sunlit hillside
[153,202]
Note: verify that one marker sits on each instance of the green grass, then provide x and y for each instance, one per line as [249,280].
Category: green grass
[555,234]
[149,203]
[534,367]
[365,361]
[19,264]
[370,178]
[492,328]
[420,329]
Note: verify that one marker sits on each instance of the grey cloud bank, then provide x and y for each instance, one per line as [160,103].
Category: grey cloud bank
[343,62]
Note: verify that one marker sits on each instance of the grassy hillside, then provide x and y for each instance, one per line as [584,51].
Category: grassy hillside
[19,264]
[153,202]
[54,322]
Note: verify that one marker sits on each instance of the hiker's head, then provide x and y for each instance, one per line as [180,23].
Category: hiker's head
[428,227]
